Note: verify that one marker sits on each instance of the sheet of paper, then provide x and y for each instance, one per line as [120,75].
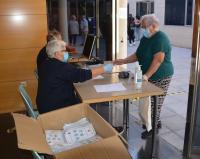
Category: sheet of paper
[109,87]
[98,77]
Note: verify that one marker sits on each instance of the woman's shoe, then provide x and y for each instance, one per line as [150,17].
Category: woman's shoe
[146,134]
[159,125]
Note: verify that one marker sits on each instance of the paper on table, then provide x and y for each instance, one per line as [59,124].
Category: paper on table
[98,77]
[109,87]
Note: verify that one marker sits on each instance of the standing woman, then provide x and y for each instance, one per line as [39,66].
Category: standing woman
[73,30]
[154,56]
[137,28]
[131,36]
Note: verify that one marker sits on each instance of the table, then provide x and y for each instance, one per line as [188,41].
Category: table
[88,94]
[77,60]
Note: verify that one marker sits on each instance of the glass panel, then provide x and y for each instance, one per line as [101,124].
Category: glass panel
[138,8]
[72,7]
[174,12]
[81,7]
[152,7]
[90,12]
[189,12]
[143,8]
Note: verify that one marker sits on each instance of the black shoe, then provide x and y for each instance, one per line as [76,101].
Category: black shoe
[159,125]
[144,126]
[146,134]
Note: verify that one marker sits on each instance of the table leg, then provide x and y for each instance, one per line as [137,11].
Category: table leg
[110,113]
[154,135]
[126,116]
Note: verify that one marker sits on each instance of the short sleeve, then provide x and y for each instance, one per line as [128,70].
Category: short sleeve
[161,44]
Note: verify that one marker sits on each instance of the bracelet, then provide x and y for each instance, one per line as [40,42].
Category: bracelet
[145,77]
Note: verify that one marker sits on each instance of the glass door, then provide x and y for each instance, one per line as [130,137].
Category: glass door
[192,131]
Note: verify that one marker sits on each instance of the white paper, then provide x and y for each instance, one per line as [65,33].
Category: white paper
[73,135]
[109,87]
[98,77]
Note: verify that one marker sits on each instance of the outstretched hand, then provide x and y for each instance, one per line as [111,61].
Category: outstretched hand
[118,62]
[108,67]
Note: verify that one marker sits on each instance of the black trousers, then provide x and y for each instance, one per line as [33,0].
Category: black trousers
[131,36]
[72,39]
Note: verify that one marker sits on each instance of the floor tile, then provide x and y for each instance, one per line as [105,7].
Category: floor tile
[174,123]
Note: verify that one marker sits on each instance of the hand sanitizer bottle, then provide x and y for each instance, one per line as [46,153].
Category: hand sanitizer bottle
[138,77]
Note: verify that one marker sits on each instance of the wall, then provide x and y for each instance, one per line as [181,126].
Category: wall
[175,33]
[23,30]
[121,29]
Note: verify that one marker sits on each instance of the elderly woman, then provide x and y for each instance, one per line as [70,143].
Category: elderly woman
[154,56]
[56,78]
[42,55]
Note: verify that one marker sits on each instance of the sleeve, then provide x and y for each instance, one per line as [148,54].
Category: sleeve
[138,50]
[160,45]
[73,74]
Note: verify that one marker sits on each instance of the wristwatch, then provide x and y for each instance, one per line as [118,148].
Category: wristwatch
[145,77]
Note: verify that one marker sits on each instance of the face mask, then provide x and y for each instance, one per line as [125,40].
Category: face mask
[146,33]
[65,57]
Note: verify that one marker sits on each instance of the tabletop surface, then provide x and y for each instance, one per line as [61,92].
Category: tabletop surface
[88,94]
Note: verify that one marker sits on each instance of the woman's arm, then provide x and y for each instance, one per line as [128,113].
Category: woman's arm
[97,71]
[129,59]
[157,61]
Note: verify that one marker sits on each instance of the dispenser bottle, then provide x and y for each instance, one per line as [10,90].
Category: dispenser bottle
[138,77]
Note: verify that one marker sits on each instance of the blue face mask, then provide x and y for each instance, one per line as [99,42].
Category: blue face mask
[146,33]
[65,57]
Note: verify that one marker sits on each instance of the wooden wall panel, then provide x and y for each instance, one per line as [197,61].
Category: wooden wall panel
[13,7]
[18,64]
[24,31]
[10,98]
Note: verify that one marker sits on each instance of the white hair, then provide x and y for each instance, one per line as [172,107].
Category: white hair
[55,46]
[150,19]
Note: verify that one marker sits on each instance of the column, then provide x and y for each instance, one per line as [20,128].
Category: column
[63,20]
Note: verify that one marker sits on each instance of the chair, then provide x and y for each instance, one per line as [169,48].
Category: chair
[30,111]
[27,101]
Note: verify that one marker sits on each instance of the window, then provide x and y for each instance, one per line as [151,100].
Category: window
[178,12]
[143,8]
[189,12]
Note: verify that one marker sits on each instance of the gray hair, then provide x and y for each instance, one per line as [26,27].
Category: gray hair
[150,19]
[55,46]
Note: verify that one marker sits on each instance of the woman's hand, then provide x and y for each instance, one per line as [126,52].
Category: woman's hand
[119,62]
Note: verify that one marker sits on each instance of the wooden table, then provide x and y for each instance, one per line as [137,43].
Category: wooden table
[88,94]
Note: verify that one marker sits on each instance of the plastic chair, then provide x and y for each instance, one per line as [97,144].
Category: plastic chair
[29,106]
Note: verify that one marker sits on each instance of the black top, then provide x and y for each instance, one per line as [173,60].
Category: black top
[42,56]
[55,84]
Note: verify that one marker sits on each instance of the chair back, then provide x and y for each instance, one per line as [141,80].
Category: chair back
[27,100]
[36,155]
[28,103]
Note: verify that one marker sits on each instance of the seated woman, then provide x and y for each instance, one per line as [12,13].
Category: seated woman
[56,78]
[42,55]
